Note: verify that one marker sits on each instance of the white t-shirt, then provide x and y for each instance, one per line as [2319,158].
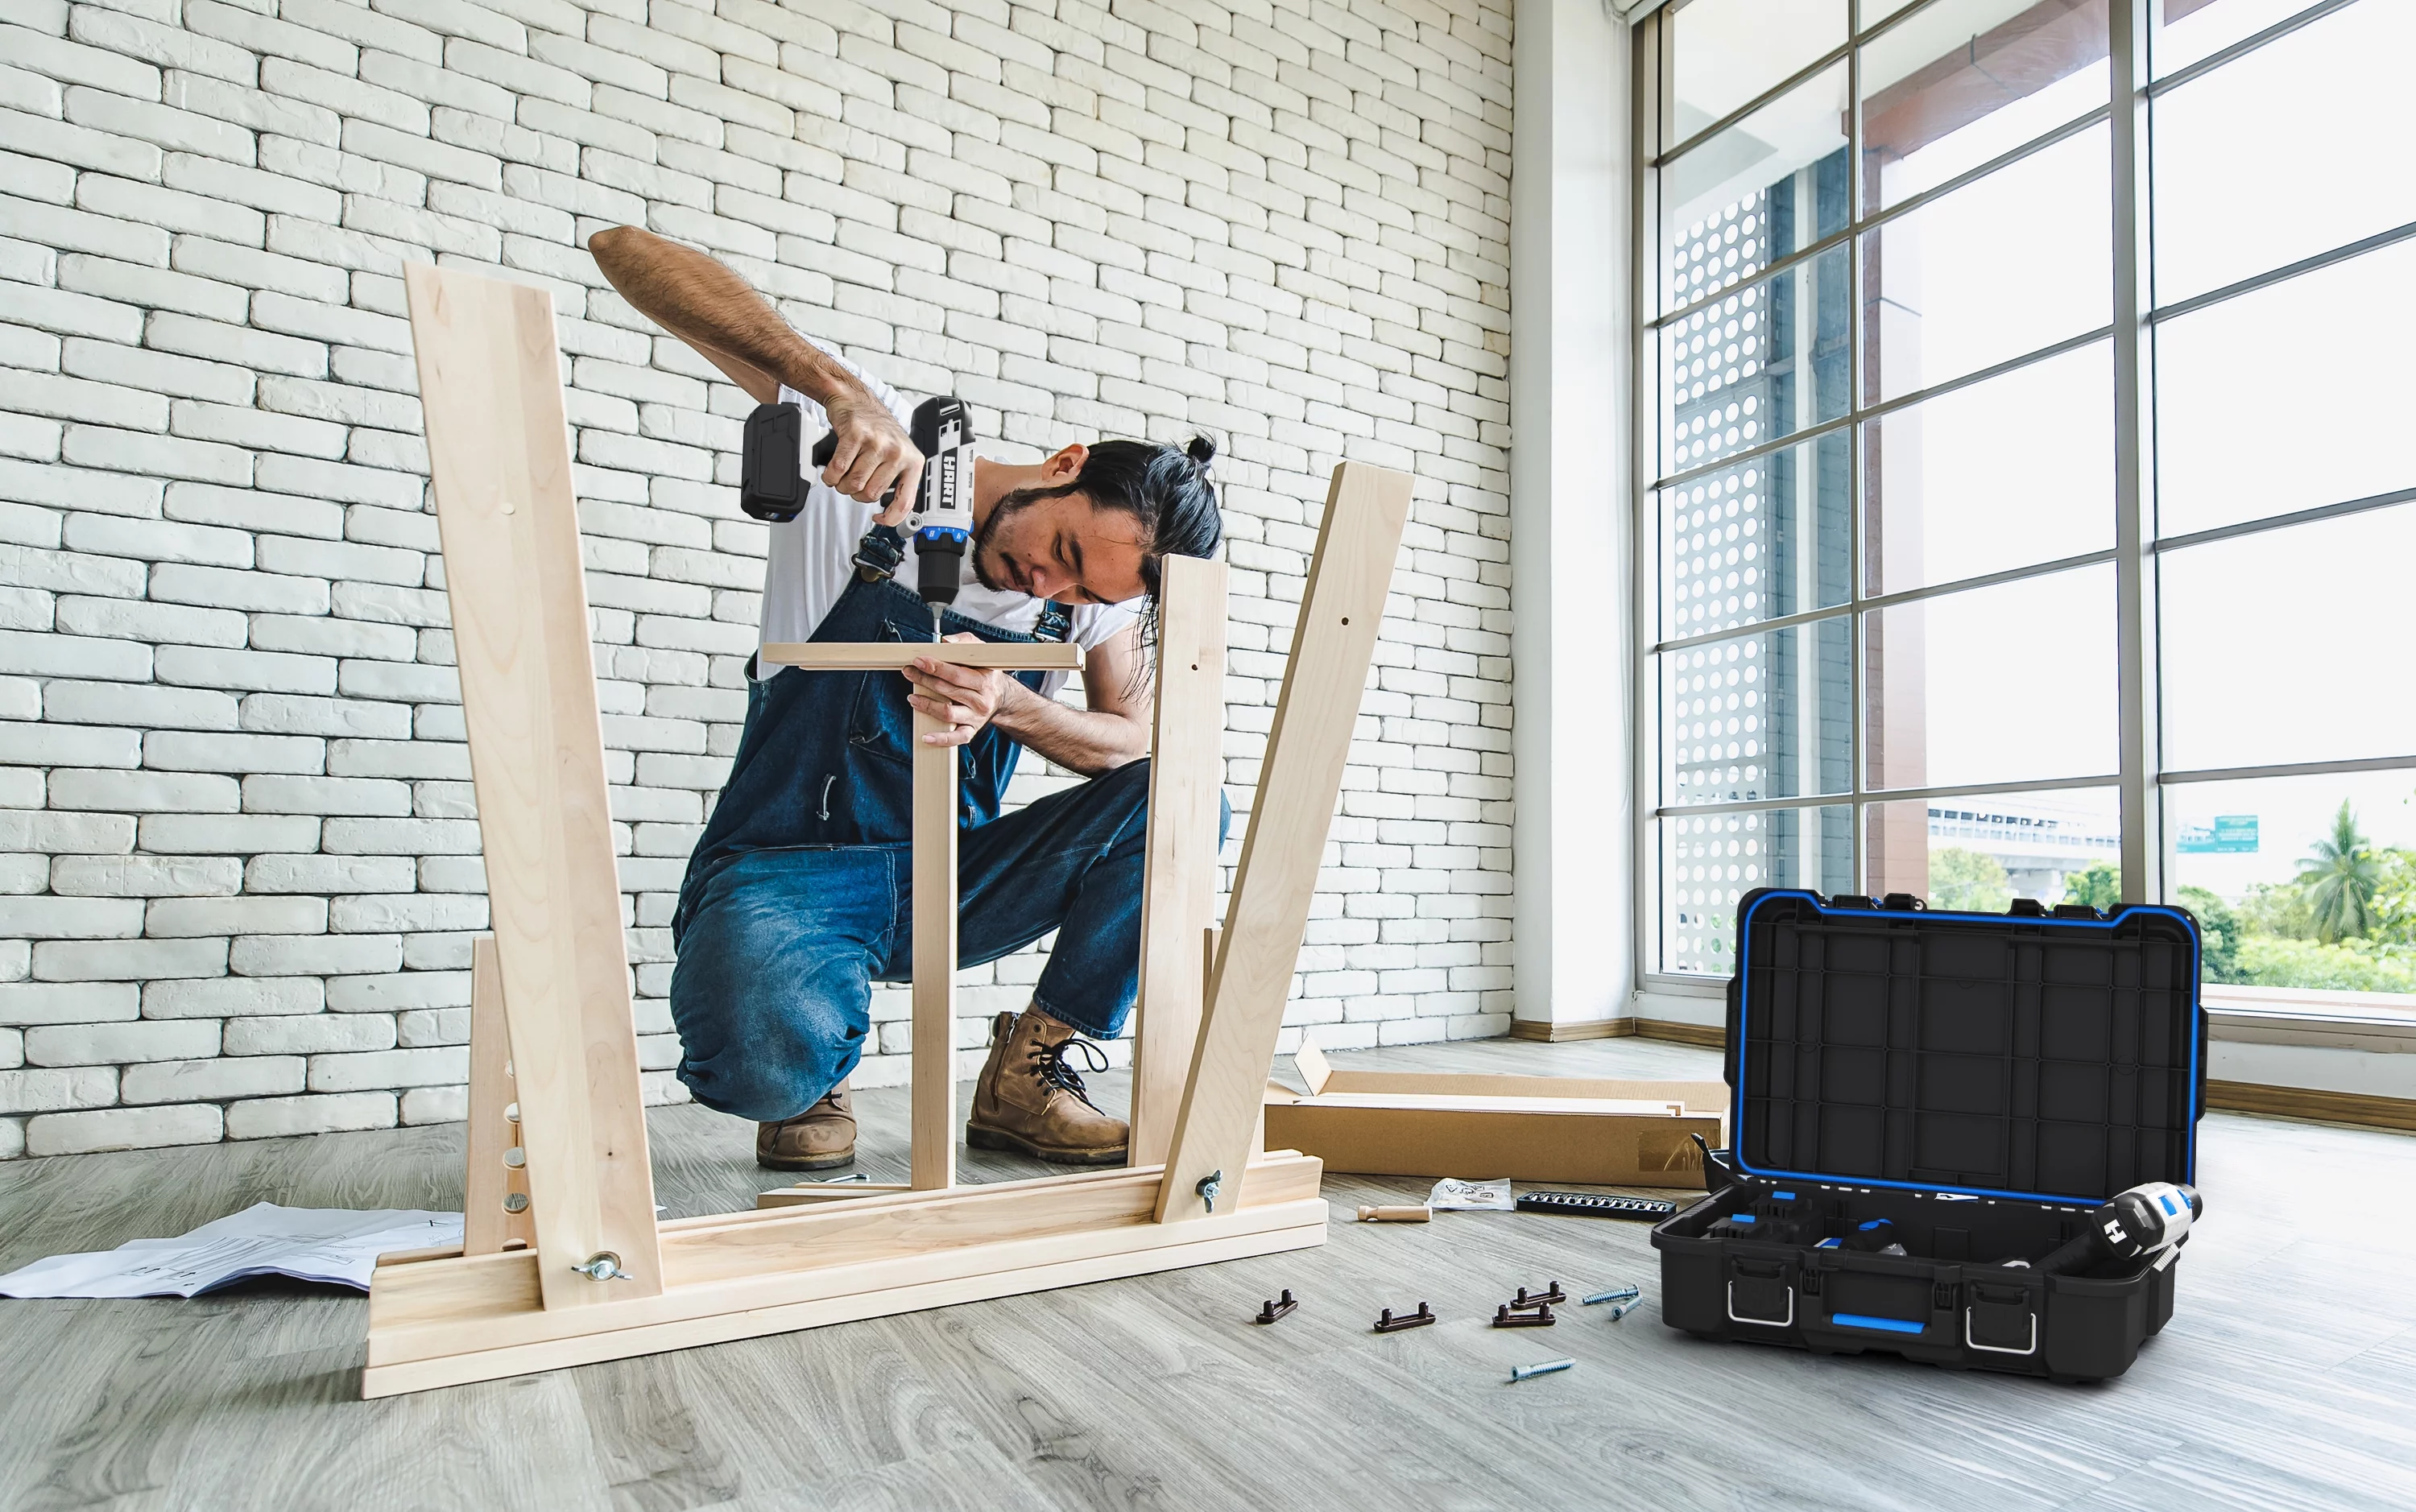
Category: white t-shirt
[812,556]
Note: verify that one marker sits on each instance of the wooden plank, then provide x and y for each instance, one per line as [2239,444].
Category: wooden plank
[825,1191]
[499,451]
[979,1274]
[488,1183]
[934,1069]
[894,656]
[805,1254]
[1178,875]
[1299,782]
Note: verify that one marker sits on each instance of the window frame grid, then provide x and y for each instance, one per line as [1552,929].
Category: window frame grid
[2139,779]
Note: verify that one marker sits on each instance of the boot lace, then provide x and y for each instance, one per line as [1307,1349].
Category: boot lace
[1049,1062]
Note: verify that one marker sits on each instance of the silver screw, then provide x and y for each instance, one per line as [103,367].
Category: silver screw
[604,1266]
[1209,1186]
[1520,1372]
[1617,1293]
[1622,1311]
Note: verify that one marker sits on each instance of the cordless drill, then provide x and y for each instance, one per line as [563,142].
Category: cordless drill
[944,509]
[2145,1220]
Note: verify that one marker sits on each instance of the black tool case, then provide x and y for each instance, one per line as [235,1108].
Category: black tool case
[1981,1081]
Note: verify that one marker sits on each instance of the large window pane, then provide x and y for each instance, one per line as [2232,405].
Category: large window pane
[1718,222]
[1760,716]
[2010,683]
[1729,50]
[2306,884]
[1708,860]
[2192,30]
[1765,362]
[2291,645]
[2294,396]
[1977,854]
[1768,538]
[2019,260]
[2003,474]
[2286,152]
[1962,81]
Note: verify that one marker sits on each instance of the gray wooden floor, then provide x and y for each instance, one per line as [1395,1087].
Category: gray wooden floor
[2287,1379]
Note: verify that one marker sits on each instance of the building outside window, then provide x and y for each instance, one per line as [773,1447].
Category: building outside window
[1927,372]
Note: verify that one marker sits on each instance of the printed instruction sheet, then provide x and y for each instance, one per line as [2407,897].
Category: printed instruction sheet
[335,1245]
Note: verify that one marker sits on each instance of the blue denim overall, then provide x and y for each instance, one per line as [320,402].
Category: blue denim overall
[798,896]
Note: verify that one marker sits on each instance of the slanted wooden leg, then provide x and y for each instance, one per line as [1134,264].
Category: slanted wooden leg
[1299,782]
[1179,878]
[934,1118]
[499,453]
[494,1193]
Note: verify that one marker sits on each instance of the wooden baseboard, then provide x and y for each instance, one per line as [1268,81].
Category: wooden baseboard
[1709,1035]
[2312,1102]
[1561,1034]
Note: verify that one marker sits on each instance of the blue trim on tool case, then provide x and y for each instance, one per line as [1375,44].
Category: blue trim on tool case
[1888,1326]
[2122,912]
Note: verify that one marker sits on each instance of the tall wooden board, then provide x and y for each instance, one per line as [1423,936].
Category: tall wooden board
[499,451]
[1332,645]
[1187,766]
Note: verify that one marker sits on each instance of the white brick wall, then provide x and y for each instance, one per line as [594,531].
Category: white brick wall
[238,862]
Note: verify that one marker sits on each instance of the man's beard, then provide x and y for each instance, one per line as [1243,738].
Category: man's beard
[1012,503]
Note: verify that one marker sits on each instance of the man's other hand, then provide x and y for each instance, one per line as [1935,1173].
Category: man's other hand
[965,696]
[873,453]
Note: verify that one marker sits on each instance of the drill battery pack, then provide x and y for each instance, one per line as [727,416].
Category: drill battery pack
[1920,1097]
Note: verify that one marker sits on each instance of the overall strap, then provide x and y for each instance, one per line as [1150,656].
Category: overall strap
[1056,622]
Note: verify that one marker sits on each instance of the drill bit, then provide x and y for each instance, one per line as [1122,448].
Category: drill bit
[935,621]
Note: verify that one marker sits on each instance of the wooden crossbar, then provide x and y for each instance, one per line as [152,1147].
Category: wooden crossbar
[499,452]
[888,656]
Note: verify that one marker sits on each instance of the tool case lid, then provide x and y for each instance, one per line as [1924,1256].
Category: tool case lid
[2041,1056]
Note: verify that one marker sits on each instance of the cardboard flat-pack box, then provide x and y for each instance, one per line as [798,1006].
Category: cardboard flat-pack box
[1588,1131]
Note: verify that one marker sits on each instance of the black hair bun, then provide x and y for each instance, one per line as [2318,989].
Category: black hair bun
[1201,451]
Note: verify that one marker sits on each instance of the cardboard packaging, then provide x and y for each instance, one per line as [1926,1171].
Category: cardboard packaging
[1579,1130]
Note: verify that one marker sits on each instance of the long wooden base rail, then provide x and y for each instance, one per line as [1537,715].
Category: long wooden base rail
[444,1322]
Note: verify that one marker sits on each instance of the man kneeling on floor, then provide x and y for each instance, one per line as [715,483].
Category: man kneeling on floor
[797,897]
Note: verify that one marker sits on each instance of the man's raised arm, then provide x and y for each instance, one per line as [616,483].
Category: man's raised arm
[713,310]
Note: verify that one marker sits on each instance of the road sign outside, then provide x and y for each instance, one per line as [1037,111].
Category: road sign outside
[2230,834]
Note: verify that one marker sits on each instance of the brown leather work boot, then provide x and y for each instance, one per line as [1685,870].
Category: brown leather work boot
[1030,1101]
[817,1139]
